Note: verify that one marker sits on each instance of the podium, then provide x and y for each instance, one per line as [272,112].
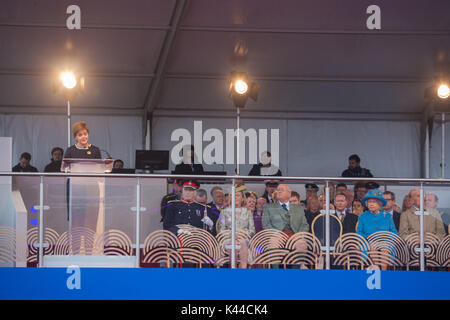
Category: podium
[86,203]
[73,165]
[85,215]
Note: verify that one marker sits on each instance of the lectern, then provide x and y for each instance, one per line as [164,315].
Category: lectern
[86,214]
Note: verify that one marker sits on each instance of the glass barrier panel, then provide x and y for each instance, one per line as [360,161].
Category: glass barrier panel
[89,221]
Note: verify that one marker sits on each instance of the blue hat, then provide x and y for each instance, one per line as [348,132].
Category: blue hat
[375,194]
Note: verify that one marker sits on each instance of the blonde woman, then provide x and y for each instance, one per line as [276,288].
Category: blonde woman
[244,223]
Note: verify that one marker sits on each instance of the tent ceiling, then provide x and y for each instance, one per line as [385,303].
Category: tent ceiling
[307,56]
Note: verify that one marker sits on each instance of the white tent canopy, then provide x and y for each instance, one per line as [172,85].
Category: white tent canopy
[331,86]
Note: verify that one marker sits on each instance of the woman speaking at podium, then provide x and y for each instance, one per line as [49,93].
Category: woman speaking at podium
[82,193]
[82,149]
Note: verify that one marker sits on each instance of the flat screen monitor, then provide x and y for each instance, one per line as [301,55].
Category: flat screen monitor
[152,159]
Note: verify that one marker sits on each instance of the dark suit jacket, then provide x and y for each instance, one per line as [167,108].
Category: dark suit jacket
[215,213]
[396,218]
[29,168]
[187,169]
[349,223]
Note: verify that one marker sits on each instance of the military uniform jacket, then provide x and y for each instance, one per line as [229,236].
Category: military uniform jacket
[183,212]
[275,217]
[165,203]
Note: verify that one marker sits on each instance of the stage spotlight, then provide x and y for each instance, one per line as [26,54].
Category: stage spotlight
[240,87]
[68,80]
[443,91]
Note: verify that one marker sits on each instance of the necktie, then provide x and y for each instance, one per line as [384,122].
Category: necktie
[284,206]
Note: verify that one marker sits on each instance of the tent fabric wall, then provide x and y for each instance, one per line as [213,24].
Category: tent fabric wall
[307,147]
[436,149]
[38,134]
[320,147]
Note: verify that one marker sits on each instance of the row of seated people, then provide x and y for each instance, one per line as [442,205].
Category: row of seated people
[262,169]
[285,212]
[54,165]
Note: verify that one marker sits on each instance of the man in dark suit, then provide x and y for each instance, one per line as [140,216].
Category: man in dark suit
[56,161]
[348,220]
[390,197]
[189,165]
[24,164]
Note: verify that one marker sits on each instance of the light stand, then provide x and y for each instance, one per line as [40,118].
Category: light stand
[68,123]
[239,91]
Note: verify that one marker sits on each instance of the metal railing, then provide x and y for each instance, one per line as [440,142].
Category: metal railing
[322,180]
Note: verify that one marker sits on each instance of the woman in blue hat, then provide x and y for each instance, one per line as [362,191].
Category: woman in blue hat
[375,218]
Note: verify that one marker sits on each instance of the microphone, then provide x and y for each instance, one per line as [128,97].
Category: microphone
[107,153]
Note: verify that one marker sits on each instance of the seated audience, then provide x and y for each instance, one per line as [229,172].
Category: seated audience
[24,164]
[218,200]
[349,196]
[201,196]
[348,219]
[258,214]
[358,207]
[354,169]
[56,160]
[265,168]
[118,164]
[446,221]
[312,210]
[227,200]
[323,203]
[239,183]
[311,190]
[243,223]
[271,185]
[251,201]
[407,203]
[375,218]
[389,208]
[410,222]
[275,196]
[332,191]
[341,188]
[432,201]
[360,190]
[295,198]
[372,185]
[284,216]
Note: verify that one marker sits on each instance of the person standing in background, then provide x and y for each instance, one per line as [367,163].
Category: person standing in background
[56,160]
[24,164]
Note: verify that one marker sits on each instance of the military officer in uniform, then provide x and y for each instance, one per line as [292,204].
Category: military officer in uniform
[187,211]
